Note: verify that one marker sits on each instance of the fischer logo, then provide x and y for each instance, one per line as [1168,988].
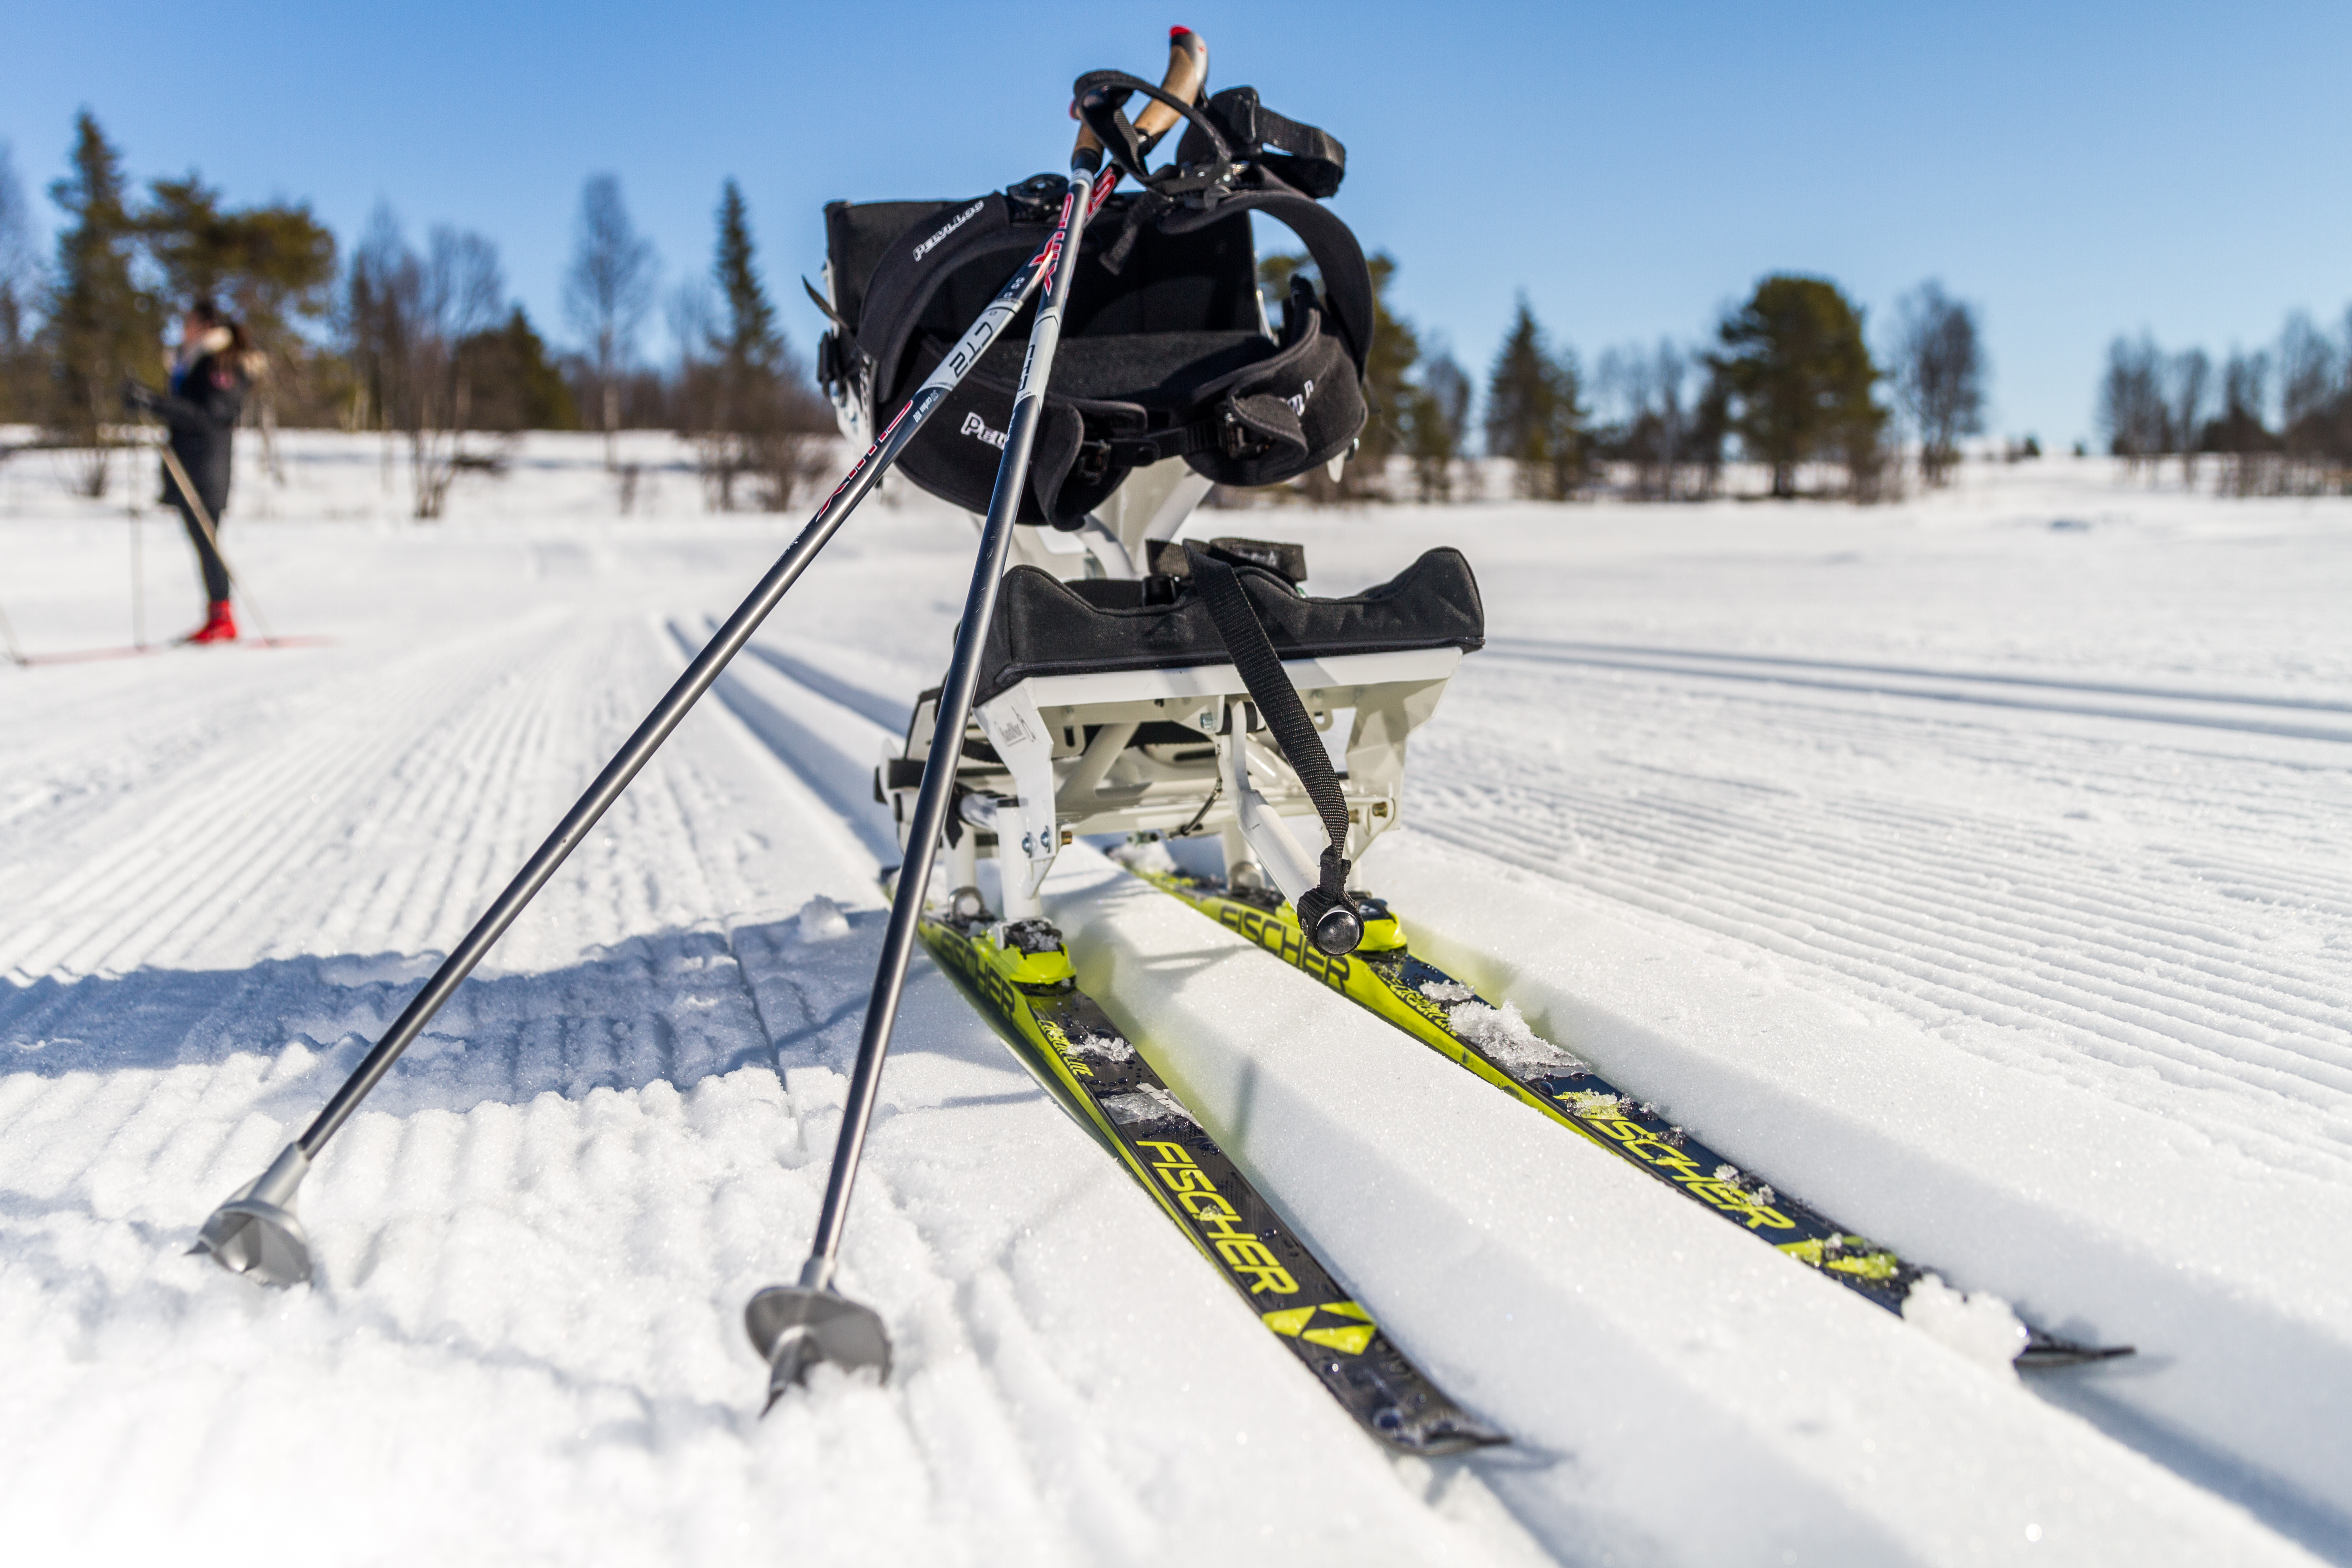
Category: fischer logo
[952,225]
[972,427]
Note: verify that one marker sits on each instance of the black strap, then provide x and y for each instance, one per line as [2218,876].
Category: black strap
[1304,155]
[1261,670]
[1347,281]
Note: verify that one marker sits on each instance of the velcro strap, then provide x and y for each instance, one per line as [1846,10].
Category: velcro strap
[1308,157]
[1262,423]
[1136,451]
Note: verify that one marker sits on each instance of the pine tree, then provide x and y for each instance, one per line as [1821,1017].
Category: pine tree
[512,385]
[1534,411]
[748,406]
[1795,361]
[101,327]
[748,345]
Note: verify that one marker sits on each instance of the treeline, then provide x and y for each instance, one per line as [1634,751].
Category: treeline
[1788,380]
[2276,421]
[419,341]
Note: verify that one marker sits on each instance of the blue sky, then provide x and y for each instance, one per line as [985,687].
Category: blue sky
[2075,171]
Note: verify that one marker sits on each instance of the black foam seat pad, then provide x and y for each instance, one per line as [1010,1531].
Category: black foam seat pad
[1046,626]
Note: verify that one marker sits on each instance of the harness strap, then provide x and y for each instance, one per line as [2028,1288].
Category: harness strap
[1347,281]
[1304,155]
[1261,670]
[1238,427]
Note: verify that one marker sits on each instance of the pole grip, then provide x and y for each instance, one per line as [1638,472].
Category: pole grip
[1188,72]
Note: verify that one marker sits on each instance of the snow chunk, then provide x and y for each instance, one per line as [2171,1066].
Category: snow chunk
[822,919]
[1981,1327]
[1447,991]
[1504,1036]
[1109,1048]
[1145,1102]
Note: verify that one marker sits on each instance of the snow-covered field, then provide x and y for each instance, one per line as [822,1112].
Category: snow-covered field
[1974,867]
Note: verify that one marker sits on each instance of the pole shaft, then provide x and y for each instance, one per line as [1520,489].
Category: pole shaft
[203,514]
[947,736]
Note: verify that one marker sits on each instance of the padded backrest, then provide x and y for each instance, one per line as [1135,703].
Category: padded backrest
[856,236]
[1201,280]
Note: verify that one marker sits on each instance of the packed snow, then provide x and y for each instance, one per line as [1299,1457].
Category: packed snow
[1981,1326]
[1504,1036]
[1972,867]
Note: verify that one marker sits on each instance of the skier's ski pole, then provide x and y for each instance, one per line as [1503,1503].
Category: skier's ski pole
[795,1326]
[138,559]
[203,514]
[256,1231]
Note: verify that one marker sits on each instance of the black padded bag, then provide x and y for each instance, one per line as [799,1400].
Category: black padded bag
[1162,351]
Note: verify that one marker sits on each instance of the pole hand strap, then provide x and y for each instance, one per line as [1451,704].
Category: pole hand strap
[1261,670]
[1101,99]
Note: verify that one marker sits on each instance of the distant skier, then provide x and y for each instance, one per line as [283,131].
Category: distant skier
[210,373]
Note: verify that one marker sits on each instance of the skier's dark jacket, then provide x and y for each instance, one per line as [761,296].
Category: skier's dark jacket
[1166,349]
[202,410]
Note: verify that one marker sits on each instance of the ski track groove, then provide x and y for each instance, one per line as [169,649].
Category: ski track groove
[284,795]
[2162,708]
[2023,936]
[1940,823]
[1874,939]
[2007,932]
[2093,952]
[1575,652]
[167,855]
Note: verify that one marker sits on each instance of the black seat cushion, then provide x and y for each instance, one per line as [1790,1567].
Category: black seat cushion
[1046,626]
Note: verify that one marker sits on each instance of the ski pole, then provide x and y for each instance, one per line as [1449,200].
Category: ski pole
[795,1326]
[137,554]
[256,1231]
[203,514]
[138,581]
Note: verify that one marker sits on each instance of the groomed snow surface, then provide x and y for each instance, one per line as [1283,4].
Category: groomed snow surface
[1974,869]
